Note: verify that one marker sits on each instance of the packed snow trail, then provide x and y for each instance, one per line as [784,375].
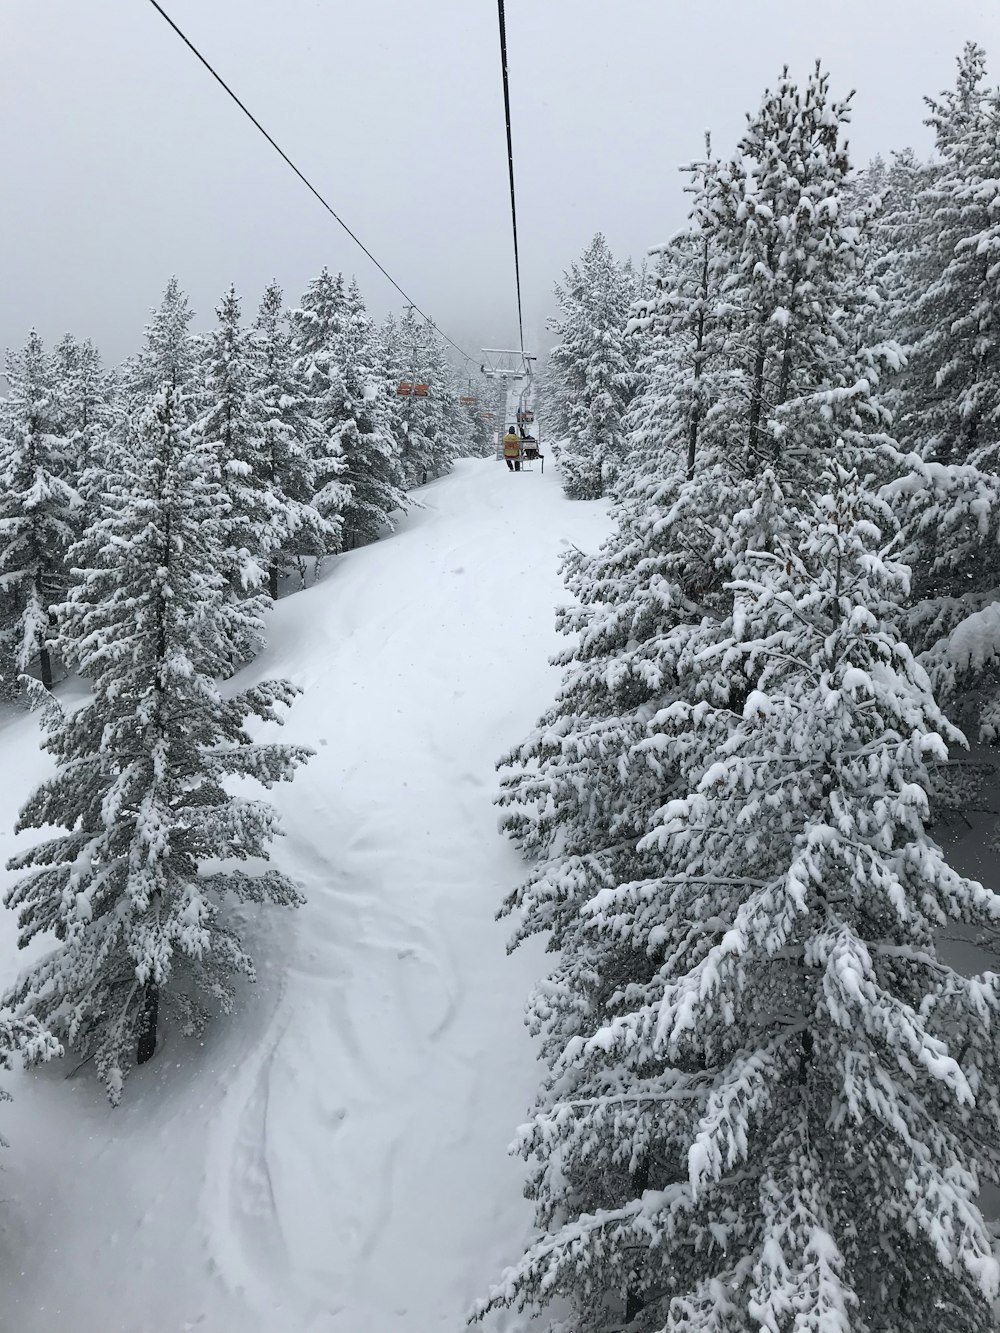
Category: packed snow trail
[332,1159]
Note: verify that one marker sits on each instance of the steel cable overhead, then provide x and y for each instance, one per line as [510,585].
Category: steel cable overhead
[312,189]
[510,165]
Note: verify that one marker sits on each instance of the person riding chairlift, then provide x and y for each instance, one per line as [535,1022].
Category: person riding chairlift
[512,450]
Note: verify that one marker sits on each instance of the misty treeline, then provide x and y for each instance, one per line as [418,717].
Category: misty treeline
[771,1097]
[148,518]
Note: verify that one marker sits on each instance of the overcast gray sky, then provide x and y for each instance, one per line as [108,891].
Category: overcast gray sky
[123,162]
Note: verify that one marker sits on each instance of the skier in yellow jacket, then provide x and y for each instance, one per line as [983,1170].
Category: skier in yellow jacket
[512,450]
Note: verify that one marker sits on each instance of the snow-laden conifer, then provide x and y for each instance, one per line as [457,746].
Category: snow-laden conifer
[787,1093]
[287,447]
[949,278]
[170,355]
[155,842]
[85,401]
[684,327]
[400,356]
[886,191]
[592,369]
[316,325]
[429,428]
[477,439]
[444,423]
[24,1037]
[783,389]
[683,534]
[356,417]
[796,272]
[39,509]
[947,292]
[88,399]
[230,430]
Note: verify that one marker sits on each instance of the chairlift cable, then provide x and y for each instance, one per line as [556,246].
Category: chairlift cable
[510,164]
[309,185]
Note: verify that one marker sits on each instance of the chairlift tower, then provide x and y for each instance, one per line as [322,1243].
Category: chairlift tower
[508,365]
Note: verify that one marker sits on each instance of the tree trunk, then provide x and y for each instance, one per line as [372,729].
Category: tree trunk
[146,1045]
[692,443]
[634,1301]
[757,396]
[785,378]
[699,345]
[633,1306]
[272,569]
[805,1057]
[45,661]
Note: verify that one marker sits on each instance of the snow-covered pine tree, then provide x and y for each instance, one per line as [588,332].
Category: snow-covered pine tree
[684,324]
[888,190]
[446,422]
[316,325]
[797,268]
[450,441]
[475,401]
[89,409]
[155,844]
[592,368]
[426,429]
[24,1037]
[287,449]
[171,355]
[354,302]
[39,509]
[85,393]
[648,422]
[948,278]
[948,295]
[952,519]
[789,1096]
[231,433]
[357,420]
[64,369]
[399,341]
[579,805]
[683,535]
[653,608]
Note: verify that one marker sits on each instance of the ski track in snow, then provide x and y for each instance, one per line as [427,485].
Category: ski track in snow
[332,1159]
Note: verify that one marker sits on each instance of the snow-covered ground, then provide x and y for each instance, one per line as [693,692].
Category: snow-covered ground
[332,1159]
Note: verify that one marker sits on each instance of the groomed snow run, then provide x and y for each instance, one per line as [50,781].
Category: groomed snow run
[331,1159]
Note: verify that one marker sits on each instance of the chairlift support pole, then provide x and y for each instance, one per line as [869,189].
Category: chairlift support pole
[416,349]
[509,365]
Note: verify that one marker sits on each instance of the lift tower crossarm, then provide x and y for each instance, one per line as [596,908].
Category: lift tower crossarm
[506,363]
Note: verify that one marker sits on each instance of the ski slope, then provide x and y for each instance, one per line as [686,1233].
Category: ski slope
[331,1159]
